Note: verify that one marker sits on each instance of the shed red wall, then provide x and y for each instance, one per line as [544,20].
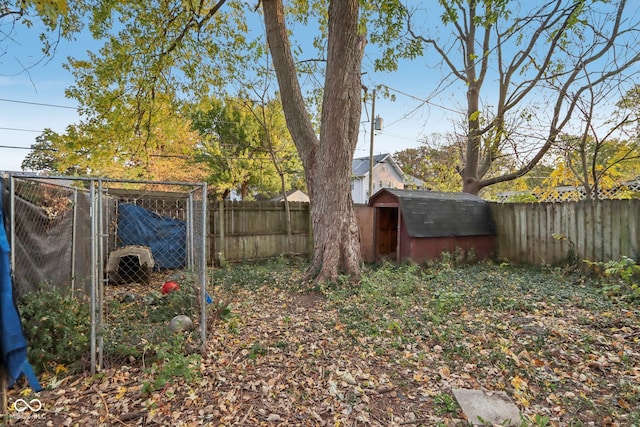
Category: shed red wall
[365,217]
[423,249]
[405,250]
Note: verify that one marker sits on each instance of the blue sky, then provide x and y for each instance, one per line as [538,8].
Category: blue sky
[21,118]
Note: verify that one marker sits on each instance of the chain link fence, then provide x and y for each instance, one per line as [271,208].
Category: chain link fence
[135,251]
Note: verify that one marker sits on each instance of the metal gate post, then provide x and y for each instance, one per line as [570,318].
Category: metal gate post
[74,234]
[100,270]
[94,275]
[190,232]
[203,269]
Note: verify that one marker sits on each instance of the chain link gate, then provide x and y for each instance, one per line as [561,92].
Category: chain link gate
[136,247]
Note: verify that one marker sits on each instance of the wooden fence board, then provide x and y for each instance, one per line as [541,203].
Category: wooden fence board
[555,245]
[633,219]
[572,221]
[613,246]
[521,230]
[580,236]
[542,246]
[546,243]
[538,225]
[600,227]
[257,230]
[598,231]
[508,238]
[590,231]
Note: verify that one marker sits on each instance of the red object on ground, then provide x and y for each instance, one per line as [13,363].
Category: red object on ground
[169,287]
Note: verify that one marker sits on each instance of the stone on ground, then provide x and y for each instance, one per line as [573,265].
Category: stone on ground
[481,408]
[181,323]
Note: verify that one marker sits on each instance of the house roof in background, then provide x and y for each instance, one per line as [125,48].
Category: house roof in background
[412,180]
[439,214]
[293,196]
[360,166]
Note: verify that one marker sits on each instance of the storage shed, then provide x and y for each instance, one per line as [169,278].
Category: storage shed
[421,225]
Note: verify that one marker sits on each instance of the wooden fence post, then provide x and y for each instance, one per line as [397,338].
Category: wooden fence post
[310,233]
[221,251]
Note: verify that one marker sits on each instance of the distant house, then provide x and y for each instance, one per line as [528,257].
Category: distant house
[293,196]
[386,174]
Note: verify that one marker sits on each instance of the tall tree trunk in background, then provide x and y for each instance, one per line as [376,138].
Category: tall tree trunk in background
[287,211]
[327,160]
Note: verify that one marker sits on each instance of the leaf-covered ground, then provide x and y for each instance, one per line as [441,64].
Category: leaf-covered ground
[385,353]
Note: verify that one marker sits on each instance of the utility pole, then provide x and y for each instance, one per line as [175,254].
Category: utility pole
[373,130]
[376,124]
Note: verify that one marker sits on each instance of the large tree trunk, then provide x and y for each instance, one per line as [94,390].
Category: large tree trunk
[470,178]
[327,160]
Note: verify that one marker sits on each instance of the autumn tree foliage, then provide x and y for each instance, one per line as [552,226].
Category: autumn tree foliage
[132,93]
[604,152]
[245,146]
[434,161]
[162,151]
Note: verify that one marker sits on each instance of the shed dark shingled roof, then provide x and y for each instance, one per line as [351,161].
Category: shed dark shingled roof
[438,214]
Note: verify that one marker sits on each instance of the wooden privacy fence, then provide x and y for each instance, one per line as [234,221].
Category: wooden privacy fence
[550,233]
[242,231]
[531,233]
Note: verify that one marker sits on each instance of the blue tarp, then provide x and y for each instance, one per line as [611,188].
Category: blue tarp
[166,237]
[13,345]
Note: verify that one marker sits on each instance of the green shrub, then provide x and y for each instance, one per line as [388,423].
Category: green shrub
[170,362]
[619,278]
[57,328]
[458,258]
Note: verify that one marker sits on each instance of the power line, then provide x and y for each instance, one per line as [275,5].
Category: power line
[424,101]
[407,138]
[15,147]
[22,130]
[38,103]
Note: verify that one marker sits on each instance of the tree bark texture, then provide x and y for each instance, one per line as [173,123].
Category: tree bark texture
[327,159]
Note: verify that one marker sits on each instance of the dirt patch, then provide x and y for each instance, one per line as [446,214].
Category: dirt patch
[309,300]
